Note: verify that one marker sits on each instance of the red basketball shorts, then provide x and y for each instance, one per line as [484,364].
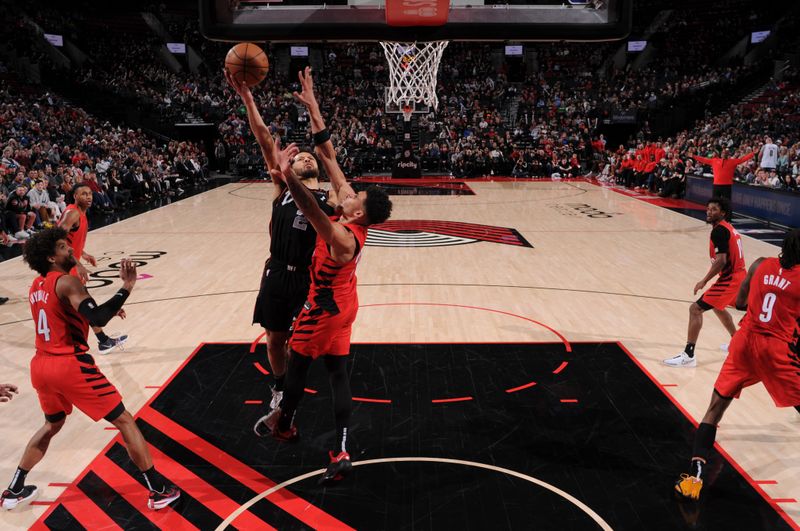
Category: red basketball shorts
[723,293]
[318,333]
[754,358]
[72,380]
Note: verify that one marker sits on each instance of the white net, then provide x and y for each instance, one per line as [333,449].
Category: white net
[413,67]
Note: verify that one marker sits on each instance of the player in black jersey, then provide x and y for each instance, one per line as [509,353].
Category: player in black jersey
[285,280]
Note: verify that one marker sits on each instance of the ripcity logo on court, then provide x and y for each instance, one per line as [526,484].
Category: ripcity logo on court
[109,264]
[582,209]
[435,233]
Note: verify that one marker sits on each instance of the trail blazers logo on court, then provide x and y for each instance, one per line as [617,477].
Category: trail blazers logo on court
[433,233]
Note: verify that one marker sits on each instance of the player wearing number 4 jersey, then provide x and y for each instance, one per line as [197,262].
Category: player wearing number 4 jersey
[765,350]
[62,371]
[727,261]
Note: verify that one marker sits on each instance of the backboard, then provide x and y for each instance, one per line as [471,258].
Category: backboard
[415,20]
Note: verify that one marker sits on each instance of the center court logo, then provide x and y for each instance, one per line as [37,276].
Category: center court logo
[434,233]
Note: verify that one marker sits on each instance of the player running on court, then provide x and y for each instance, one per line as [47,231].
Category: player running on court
[76,224]
[765,349]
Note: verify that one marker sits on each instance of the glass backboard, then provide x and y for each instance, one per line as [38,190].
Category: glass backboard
[458,20]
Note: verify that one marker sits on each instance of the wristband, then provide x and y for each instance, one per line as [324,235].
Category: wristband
[322,137]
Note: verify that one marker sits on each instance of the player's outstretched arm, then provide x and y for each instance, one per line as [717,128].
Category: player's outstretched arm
[71,289]
[341,240]
[257,125]
[744,289]
[322,138]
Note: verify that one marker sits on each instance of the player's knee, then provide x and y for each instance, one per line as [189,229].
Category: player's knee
[122,420]
[695,309]
[54,426]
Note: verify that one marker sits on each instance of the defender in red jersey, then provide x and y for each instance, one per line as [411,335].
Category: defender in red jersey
[64,374]
[76,224]
[324,326]
[727,261]
[765,349]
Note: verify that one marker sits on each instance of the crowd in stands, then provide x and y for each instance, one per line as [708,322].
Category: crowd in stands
[50,146]
[546,126]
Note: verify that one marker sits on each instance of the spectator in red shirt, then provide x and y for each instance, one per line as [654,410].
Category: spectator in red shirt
[723,168]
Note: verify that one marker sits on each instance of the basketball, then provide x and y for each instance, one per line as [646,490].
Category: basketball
[247,62]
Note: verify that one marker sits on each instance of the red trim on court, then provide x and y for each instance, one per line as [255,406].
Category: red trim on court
[310,391]
[152,387]
[669,385]
[110,428]
[58,484]
[719,448]
[501,312]
[765,481]
[569,400]
[301,509]
[561,367]
[89,515]
[261,369]
[46,503]
[784,500]
[521,387]
[97,519]
[135,494]
[253,401]
[254,344]
[199,489]
[371,400]
[448,400]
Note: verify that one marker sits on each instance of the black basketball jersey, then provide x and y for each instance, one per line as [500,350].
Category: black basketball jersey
[292,238]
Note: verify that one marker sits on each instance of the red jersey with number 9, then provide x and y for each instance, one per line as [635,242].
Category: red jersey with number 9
[773,305]
[60,329]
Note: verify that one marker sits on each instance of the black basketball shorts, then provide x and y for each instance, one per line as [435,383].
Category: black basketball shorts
[280,298]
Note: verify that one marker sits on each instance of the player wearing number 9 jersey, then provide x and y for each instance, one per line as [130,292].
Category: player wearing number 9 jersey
[765,350]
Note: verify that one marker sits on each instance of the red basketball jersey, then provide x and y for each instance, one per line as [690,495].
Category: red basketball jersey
[60,329]
[76,237]
[733,249]
[773,305]
[333,285]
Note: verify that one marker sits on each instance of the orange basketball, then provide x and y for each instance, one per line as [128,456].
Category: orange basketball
[247,62]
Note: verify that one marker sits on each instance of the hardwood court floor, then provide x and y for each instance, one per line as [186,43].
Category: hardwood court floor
[582,262]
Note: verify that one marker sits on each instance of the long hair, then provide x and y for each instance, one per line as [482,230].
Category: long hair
[790,250]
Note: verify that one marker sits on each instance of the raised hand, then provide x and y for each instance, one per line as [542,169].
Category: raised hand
[127,272]
[286,156]
[306,97]
[241,88]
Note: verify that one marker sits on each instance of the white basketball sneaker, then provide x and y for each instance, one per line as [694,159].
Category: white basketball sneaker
[681,360]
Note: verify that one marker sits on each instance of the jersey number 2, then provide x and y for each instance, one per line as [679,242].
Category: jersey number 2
[41,325]
[766,308]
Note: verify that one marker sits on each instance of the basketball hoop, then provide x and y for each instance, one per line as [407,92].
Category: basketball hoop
[413,67]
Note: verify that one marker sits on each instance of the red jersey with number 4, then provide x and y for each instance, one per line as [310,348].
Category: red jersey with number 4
[333,285]
[725,239]
[773,305]
[76,237]
[60,329]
